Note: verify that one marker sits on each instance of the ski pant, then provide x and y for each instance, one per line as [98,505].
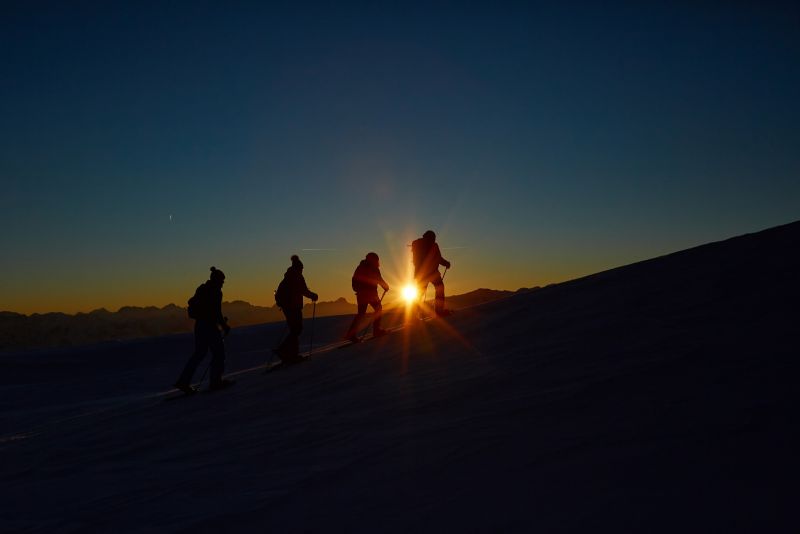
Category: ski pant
[355,326]
[434,278]
[206,336]
[290,346]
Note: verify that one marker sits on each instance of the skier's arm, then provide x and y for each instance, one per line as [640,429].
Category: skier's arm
[443,262]
[307,292]
[382,282]
[221,319]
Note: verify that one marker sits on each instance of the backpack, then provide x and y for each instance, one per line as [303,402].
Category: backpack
[282,294]
[419,251]
[357,282]
[196,303]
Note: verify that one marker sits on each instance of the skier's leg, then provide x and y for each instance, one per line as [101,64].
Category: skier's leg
[355,326]
[422,285]
[438,285]
[285,340]
[435,279]
[294,322]
[291,346]
[217,358]
[376,322]
[352,329]
[200,349]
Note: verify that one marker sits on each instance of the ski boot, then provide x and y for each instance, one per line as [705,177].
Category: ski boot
[186,388]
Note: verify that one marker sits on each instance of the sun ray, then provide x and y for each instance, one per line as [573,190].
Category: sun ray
[410,293]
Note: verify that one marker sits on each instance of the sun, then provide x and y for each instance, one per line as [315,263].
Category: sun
[410,293]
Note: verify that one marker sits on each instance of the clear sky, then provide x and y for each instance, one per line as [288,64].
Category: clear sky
[141,143]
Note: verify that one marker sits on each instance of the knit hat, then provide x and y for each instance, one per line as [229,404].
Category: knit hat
[296,261]
[216,275]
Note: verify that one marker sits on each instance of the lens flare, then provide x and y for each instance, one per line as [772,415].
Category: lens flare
[410,293]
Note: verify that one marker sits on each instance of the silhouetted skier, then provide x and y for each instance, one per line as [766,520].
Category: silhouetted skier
[205,307]
[366,279]
[289,297]
[427,257]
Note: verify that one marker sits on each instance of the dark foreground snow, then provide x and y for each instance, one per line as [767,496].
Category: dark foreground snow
[652,398]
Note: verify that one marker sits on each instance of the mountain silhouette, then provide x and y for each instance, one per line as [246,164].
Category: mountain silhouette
[18,331]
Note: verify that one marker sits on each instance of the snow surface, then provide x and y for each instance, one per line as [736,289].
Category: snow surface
[657,397]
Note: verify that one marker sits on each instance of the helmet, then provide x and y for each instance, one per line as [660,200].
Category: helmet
[429,235]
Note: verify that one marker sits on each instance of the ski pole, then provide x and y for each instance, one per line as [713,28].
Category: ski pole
[313,316]
[445,273]
[204,375]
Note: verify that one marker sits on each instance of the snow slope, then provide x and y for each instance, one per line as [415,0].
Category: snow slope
[654,397]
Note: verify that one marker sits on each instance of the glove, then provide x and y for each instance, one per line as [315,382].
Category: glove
[314,297]
[447,264]
[386,287]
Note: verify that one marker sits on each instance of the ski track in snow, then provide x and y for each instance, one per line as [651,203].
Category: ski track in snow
[120,405]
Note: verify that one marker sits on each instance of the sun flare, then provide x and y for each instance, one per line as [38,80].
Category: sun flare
[410,293]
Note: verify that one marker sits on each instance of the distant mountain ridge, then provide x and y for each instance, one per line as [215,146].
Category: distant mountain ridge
[479,296]
[19,331]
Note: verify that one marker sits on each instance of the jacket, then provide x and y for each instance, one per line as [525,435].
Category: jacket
[208,304]
[366,280]
[426,257]
[296,288]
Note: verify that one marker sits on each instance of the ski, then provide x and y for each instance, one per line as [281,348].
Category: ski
[448,313]
[194,390]
[188,390]
[363,339]
[280,364]
[349,343]
[277,363]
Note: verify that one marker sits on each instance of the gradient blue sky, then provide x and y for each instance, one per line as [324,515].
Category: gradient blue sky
[540,141]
